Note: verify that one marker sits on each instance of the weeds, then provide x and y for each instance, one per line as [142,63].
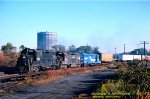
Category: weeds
[135,80]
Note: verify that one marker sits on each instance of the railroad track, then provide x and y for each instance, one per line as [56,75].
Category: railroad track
[17,77]
[9,83]
[13,77]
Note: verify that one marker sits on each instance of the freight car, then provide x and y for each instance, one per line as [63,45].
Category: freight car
[129,57]
[89,59]
[35,60]
[106,57]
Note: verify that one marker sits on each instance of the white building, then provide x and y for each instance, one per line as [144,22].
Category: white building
[45,40]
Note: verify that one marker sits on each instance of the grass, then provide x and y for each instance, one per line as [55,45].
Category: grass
[133,82]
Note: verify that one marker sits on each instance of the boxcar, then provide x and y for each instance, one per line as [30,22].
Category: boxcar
[106,57]
[126,57]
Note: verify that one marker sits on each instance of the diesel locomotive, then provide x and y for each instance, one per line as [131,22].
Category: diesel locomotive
[37,60]
[33,60]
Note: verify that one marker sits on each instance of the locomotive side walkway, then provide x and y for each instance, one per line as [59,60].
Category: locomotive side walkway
[64,88]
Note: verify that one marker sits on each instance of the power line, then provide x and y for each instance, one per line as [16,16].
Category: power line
[138,45]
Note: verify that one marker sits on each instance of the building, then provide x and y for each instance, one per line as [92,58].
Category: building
[46,40]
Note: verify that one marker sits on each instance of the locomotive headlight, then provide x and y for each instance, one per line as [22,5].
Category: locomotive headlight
[38,59]
[24,57]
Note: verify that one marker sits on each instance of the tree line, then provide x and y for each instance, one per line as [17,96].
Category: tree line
[140,51]
[9,54]
[73,49]
[8,48]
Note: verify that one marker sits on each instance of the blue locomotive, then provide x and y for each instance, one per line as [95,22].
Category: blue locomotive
[89,59]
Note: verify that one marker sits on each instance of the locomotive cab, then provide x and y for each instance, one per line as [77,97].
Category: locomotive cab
[24,62]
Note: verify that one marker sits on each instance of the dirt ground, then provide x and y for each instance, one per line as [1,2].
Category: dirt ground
[64,88]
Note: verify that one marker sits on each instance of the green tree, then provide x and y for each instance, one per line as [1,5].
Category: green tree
[62,48]
[148,53]
[85,49]
[7,48]
[56,47]
[138,51]
[95,50]
[59,48]
[22,47]
[72,49]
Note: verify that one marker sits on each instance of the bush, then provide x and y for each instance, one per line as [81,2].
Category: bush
[133,62]
[135,80]
[138,76]
[112,86]
[9,60]
[120,64]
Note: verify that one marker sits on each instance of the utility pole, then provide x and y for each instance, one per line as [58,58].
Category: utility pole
[144,42]
[115,51]
[115,54]
[124,48]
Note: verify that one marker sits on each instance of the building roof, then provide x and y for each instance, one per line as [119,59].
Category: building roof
[47,32]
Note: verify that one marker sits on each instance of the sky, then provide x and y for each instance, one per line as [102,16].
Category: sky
[106,24]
